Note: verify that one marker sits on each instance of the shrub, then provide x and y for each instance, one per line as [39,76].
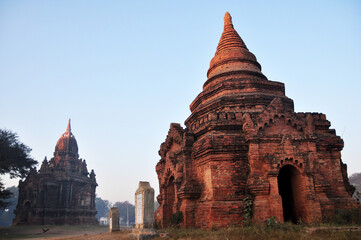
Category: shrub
[176,219]
[272,222]
[347,216]
[248,209]
[156,225]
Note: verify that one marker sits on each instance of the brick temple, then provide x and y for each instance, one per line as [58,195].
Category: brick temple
[243,140]
[61,192]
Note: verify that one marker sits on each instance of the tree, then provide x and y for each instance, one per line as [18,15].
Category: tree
[7,214]
[126,212]
[4,194]
[14,159]
[102,207]
[355,179]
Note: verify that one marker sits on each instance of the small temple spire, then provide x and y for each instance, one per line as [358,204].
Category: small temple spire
[68,129]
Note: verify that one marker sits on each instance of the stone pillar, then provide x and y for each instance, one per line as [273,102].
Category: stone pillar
[144,206]
[144,212]
[114,219]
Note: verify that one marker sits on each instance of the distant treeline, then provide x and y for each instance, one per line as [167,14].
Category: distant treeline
[7,214]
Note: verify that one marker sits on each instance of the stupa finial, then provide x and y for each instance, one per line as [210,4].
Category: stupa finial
[68,129]
[227,19]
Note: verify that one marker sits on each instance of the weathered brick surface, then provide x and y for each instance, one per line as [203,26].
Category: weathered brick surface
[242,139]
[61,192]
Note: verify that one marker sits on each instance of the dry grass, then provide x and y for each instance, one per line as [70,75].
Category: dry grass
[282,231]
[255,232]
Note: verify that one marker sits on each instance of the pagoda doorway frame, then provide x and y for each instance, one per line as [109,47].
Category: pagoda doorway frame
[291,189]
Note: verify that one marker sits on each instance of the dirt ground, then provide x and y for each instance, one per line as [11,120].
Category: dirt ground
[99,236]
[62,232]
[247,233]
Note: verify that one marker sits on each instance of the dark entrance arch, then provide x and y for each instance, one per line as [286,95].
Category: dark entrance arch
[27,207]
[291,190]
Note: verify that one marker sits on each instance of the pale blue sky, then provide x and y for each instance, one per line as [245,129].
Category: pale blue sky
[124,70]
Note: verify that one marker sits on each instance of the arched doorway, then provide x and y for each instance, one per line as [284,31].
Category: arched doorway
[26,211]
[290,188]
[170,193]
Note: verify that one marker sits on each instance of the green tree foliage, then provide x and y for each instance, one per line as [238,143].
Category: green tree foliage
[126,211]
[102,207]
[7,214]
[14,160]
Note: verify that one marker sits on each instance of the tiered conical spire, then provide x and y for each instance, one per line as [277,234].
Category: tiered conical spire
[234,79]
[229,38]
[232,55]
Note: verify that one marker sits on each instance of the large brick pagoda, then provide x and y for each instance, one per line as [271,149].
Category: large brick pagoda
[61,192]
[242,140]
